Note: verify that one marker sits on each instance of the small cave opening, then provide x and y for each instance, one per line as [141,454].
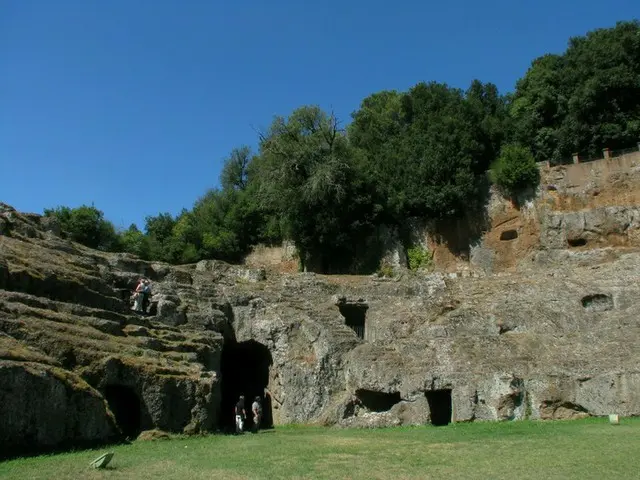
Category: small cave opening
[355,316]
[244,369]
[440,406]
[576,242]
[377,401]
[597,302]
[508,235]
[125,405]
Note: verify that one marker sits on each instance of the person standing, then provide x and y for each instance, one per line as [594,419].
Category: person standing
[240,414]
[138,296]
[146,292]
[256,409]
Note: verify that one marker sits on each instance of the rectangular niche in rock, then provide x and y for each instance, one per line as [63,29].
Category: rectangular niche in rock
[377,401]
[440,406]
[355,315]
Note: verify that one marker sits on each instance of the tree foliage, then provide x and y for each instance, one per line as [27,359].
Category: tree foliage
[419,153]
[427,149]
[515,170]
[86,225]
[584,100]
[310,179]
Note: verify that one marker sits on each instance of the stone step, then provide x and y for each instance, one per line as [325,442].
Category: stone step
[57,288]
[63,307]
[22,306]
[71,345]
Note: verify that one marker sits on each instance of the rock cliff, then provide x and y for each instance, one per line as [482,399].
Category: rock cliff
[546,330]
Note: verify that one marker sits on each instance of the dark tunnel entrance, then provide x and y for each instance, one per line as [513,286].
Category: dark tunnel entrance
[440,406]
[125,405]
[245,371]
[355,316]
[378,401]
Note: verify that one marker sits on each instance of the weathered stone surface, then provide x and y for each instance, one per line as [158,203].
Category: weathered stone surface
[44,407]
[63,314]
[543,330]
[601,226]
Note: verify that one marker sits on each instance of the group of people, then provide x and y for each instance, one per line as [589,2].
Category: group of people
[240,412]
[141,295]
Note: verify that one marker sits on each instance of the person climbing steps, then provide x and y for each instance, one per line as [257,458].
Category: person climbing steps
[141,296]
[138,296]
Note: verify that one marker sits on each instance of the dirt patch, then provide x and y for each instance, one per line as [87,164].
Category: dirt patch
[275,259]
[150,435]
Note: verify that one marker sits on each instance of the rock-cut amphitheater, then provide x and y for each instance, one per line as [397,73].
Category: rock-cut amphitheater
[537,317]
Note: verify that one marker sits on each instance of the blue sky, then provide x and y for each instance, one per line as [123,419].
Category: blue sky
[134,104]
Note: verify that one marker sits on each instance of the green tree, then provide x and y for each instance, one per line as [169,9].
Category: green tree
[584,100]
[136,242]
[308,178]
[489,111]
[86,225]
[539,106]
[427,149]
[235,172]
[515,170]
[378,132]
[159,230]
[182,246]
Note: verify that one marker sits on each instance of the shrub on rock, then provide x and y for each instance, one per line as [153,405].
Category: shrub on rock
[515,170]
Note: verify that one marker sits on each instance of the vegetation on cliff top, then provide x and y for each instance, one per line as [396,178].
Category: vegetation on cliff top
[421,153]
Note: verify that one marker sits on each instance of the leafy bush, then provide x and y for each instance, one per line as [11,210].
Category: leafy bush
[385,270]
[86,225]
[515,170]
[419,257]
[136,242]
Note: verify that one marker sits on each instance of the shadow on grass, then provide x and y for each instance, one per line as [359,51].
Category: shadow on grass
[65,447]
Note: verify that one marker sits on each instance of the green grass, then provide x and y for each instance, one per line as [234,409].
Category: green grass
[583,449]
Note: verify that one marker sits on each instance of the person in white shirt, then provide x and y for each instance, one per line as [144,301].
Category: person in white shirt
[138,296]
[256,409]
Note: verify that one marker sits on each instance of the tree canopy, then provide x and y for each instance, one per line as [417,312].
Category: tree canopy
[420,153]
[584,100]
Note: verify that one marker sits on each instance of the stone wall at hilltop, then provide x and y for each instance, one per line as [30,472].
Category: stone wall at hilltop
[568,211]
[541,325]
[579,207]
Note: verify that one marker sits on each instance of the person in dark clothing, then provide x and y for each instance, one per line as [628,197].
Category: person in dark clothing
[240,414]
[146,294]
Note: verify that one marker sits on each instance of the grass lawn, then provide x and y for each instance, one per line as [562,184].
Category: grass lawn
[583,449]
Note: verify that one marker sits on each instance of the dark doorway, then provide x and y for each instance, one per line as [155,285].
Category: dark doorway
[355,315]
[509,235]
[377,401]
[125,405]
[440,406]
[598,302]
[245,371]
[576,242]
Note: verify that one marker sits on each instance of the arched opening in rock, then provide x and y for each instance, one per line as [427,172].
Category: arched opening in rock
[509,235]
[598,302]
[245,371]
[125,405]
[440,406]
[355,316]
[377,401]
[576,242]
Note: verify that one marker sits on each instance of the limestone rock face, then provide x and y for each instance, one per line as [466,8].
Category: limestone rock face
[45,406]
[86,368]
[544,330]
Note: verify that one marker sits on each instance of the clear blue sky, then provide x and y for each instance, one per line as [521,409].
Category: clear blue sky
[134,104]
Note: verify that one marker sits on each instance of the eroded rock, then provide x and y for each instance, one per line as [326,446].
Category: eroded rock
[43,407]
[557,339]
